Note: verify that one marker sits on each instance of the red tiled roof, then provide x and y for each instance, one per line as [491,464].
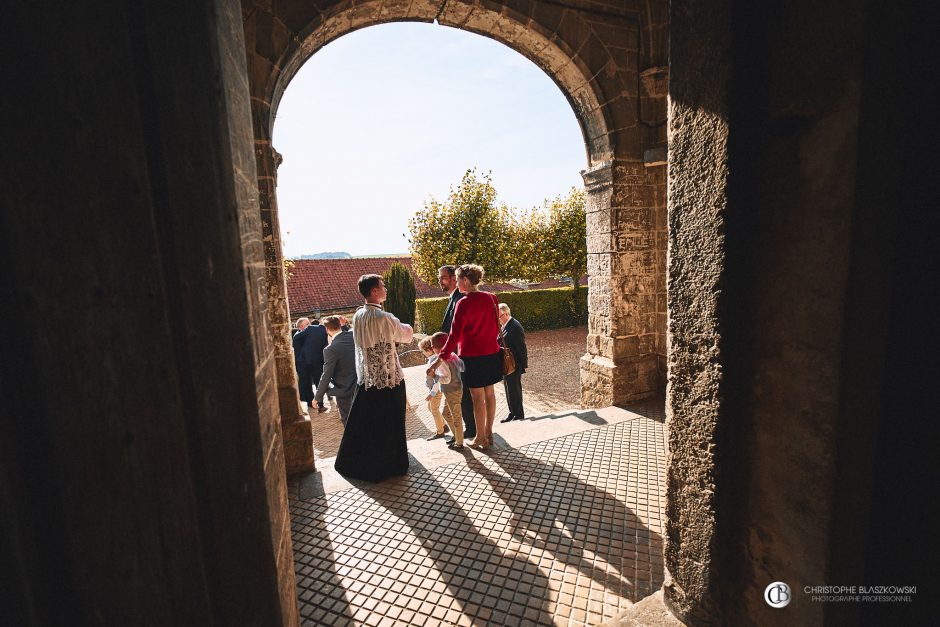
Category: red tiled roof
[331,284]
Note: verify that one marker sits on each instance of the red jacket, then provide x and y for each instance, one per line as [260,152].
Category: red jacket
[475,328]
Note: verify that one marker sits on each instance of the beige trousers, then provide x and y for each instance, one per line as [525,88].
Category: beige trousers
[434,404]
[453,414]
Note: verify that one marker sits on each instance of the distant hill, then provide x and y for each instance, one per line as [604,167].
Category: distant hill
[339,255]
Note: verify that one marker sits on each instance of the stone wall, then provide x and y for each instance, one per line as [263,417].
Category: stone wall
[141,469]
[778,288]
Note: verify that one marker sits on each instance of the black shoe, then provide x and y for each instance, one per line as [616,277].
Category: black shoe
[436,436]
[449,441]
[455,447]
[508,418]
[518,417]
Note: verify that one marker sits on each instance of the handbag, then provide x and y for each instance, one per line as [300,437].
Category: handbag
[509,360]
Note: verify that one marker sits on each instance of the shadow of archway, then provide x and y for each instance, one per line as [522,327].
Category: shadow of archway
[492,586]
[579,524]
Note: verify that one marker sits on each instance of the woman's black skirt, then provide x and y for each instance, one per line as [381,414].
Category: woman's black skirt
[483,371]
[374,446]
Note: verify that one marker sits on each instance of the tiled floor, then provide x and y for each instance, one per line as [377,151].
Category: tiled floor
[562,531]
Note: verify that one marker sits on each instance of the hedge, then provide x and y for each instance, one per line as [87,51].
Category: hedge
[535,309]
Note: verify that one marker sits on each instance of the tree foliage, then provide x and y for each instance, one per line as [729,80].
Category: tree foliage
[563,239]
[401,293]
[470,227]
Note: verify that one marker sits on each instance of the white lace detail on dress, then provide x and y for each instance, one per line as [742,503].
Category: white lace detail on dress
[375,333]
[382,369]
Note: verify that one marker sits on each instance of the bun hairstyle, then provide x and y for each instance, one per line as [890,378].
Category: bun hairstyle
[472,271]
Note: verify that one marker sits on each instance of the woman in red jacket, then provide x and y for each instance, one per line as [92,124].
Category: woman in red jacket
[473,336]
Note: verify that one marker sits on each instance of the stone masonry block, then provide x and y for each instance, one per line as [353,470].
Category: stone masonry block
[599,303]
[395,9]
[599,283]
[598,324]
[601,222]
[637,284]
[632,219]
[629,172]
[298,445]
[640,195]
[625,347]
[602,243]
[615,34]
[622,323]
[631,262]
[597,374]
[592,344]
[599,263]
[597,179]
[634,241]
[593,54]
[284,365]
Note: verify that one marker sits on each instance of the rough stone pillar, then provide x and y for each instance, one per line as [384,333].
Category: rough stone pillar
[626,244]
[296,426]
[698,143]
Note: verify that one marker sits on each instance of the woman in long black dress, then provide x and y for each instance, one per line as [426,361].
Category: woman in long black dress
[374,445]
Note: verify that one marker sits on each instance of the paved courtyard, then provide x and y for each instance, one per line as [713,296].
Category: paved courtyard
[559,524]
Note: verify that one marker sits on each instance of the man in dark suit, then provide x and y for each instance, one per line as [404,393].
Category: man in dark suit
[447,279]
[339,367]
[308,358]
[303,379]
[513,337]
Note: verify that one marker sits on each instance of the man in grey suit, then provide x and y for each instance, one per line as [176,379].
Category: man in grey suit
[339,367]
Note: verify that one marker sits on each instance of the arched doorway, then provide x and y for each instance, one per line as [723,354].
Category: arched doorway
[594,57]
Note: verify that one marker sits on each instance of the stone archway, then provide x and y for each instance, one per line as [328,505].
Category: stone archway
[595,56]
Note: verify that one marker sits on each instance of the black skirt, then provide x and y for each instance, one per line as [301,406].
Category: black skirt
[482,371]
[374,446]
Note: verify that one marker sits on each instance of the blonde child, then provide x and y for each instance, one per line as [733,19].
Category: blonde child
[452,389]
[434,396]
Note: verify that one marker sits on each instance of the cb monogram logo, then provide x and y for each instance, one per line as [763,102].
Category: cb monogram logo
[777,594]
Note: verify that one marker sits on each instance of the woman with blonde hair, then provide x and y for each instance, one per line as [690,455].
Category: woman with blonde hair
[473,336]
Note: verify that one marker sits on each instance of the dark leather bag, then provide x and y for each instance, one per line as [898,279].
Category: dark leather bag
[509,360]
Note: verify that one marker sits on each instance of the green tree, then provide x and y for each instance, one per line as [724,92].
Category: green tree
[401,293]
[561,235]
[562,248]
[468,227]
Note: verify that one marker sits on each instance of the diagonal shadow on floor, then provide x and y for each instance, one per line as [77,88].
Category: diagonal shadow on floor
[559,531]
[492,586]
[578,524]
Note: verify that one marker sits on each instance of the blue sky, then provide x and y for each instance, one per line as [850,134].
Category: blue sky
[386,117]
